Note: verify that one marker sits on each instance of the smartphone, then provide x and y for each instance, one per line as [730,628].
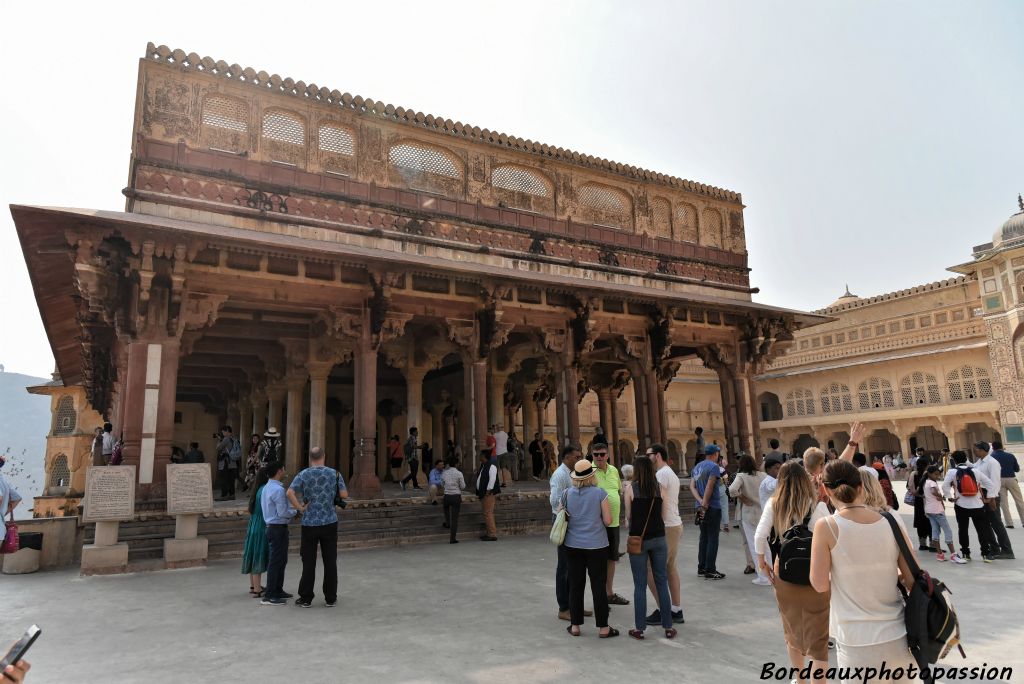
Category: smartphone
[19,649]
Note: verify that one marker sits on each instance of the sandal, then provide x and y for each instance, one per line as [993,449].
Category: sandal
[637,634]
[670,633]
[569,630]
[612,632]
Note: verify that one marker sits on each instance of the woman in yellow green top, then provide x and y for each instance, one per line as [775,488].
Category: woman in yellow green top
[609,480]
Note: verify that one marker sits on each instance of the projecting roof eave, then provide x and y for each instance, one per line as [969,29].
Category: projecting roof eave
[50,264]
[772,375]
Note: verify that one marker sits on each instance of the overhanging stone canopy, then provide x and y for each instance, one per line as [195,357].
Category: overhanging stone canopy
[287,251]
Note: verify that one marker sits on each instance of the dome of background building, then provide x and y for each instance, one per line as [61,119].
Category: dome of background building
[845,298]
[1013,228]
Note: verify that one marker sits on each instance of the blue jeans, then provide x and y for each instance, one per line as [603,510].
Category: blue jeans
[707,551]
[654,551]
[940,524]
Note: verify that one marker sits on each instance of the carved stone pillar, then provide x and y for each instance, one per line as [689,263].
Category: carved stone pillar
[365,483]
[568,407]
[414,400]
[438,440]
[479,405]
[148,429]
[259,412]
[275,396]
[656,408]
[318,373]
[294,460]
[745,397]
[234,417]
[244,426]
[496,399]
[640,399]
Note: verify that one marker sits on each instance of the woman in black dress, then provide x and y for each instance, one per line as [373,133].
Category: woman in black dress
[916,487]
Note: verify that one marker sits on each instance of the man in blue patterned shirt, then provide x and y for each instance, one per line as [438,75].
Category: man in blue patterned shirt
[316,486]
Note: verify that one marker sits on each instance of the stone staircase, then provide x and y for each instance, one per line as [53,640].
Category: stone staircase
[363,524]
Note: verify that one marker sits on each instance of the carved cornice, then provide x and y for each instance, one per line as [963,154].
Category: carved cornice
[198,311]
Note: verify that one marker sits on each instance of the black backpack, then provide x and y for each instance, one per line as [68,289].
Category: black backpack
[270,453]
[932,627]
[795,553]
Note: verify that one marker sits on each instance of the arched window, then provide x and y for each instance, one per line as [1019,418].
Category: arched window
[520,179]
[605,205]
[336,140]
[875,393]
[968,383]
[919,388]
[771,407]
[661,217]
[711,228]
[60,474]
[64,419]
[422,159]
[284,127]
[800,402]
[226,112]
[836,398]
[686,223]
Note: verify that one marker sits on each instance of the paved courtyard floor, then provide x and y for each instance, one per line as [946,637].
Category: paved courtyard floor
[471,612]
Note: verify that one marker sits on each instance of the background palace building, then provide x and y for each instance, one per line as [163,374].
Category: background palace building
[342,269]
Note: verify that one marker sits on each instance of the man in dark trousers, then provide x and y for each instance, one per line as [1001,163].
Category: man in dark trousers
[411,447]
[317,485]
[487,489]
[277,514]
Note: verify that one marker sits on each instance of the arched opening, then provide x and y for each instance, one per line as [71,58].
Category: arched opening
[803,443]
[626,451]
[880,442]
[771,407]
[60,475]
[928,438]
[675,454]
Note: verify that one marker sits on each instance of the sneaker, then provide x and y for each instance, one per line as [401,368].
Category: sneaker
[1009,527]
[286,595]
[303,604]
[958,559]
[761,581]
[922,547]
[617,600]
[1005,555]
[677,617]
[940,556]
[272,602]
[987,559]
[331,604]
[713,575]
[700,572]
[654,618]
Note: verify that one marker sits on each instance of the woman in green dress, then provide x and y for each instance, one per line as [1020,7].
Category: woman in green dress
[257,550]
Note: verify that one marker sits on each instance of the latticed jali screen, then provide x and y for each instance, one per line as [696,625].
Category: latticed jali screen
[337,140]
[518,179]
[283,128]
[423,159]
[64,421]
[226,112]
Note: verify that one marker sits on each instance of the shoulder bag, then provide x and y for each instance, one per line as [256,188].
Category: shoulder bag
[634,544]
[338,501]
[11,542]
[932,626]
[561,524]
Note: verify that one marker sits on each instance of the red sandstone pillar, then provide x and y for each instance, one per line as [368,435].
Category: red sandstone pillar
[479,405]
[365,483]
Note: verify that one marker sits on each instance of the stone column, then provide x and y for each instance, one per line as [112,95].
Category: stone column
[496,402]
[259,412]
[293,457]
[656,408]
[150,391]
[276,396]
[318,403]
[747,420]
[244,426]
[568,407]
[613,435]
[365,483]
[234,417]
[414,400]
[643,429]
[728,391]
[529,419]
[438,440]
[479,405]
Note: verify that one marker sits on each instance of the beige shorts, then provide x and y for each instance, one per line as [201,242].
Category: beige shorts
[672,535]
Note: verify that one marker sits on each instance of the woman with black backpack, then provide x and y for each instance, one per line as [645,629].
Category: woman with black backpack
[854,559]
[787,519]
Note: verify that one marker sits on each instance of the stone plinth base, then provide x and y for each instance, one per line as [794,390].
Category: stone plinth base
[21,562]
[365,486]
[192,551]
[102,560]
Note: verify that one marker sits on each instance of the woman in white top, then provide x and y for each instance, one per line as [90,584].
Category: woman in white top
[744,488]
[854,556]
[804,611]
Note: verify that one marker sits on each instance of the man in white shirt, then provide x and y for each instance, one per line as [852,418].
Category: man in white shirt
[992,469]
[108,442]
[772,464]
[501,451]
[969,508]
[669,482]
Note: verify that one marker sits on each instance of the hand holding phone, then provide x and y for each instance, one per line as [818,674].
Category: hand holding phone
[9,665]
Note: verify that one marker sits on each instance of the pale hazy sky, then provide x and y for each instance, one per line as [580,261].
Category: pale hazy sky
[874,142]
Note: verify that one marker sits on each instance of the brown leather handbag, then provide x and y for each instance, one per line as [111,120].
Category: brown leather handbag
[634,543]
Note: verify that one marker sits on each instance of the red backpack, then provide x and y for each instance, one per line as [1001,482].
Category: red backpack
[966,482]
